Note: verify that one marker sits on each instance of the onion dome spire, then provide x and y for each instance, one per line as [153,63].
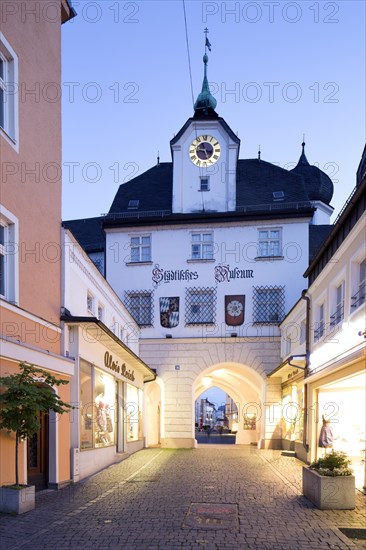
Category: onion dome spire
[303,160]
[205,102]
[318,184]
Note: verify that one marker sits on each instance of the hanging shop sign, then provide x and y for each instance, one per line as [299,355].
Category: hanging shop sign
[116,367]
[226,273]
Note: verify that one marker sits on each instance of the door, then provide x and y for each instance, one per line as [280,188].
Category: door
[37,455]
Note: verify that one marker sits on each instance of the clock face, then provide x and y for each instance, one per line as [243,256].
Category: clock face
[234,308]
[204,151]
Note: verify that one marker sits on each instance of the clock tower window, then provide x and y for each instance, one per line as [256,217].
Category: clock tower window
[204,183]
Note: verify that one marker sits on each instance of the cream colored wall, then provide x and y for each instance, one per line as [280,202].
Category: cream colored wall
[254,358]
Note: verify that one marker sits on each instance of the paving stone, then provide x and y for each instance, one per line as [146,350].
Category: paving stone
[143,503]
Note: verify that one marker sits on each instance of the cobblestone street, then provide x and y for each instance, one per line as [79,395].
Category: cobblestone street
[170,499]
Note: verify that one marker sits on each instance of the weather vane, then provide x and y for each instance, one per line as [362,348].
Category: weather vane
[207,42]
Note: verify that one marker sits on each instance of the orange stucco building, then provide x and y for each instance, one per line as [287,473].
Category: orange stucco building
[30,216]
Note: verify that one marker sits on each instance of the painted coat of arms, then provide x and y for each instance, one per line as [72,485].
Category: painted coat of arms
[169,312]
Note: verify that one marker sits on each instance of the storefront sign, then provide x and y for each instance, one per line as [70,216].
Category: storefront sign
[167,275]
[225,273]
[116,367]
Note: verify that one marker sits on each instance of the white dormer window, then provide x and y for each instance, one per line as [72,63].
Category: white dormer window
[204,183]
[133,204]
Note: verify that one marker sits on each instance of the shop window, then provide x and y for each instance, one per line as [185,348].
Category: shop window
[202,246]
[97,408]
[140,248]
[8,256]
[86,407]
[133,413]
[268,305]
[8,87]
[359,297]
[200,306]
[104,400]
[140,306]
[269,243]
[338,312]
[319,327]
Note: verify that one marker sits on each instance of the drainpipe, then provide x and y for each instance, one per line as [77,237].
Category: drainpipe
[306,370]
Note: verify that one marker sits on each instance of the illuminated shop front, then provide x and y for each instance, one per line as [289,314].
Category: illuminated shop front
[108,391]
[339,397]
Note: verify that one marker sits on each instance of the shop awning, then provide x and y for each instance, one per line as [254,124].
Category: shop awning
[97,330]
[291,367]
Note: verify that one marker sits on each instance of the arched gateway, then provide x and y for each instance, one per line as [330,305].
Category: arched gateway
[238,366]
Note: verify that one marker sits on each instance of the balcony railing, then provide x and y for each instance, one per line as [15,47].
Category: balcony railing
[359,298]
[337,316]
[319,332]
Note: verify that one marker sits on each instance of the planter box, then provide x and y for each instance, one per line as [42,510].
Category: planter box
[329,493]
[17,501]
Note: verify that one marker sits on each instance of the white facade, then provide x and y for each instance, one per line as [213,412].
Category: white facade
[236,268]
[221,194]
[108,385]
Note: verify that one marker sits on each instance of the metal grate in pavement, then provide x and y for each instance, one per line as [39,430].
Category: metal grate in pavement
[209,516]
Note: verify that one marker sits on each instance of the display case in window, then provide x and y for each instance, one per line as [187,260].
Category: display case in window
[104,406]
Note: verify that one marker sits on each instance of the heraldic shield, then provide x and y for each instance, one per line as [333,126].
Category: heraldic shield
[234,310]
[169,312]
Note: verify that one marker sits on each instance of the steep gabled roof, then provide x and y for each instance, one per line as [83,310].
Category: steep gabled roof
[88,232]
[153,189]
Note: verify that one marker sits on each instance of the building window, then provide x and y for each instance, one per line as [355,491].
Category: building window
[205,183]
[100,312]
[302,332]
[8,90]
[98,260]
[359,297]
[338,313]
[269,243]
[319,323]
[200,306]
[141,248]
[268,305]
[9,269]
[90,303]
[140,306]
[202,246]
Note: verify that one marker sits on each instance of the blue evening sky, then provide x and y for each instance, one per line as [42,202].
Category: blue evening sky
[278,70]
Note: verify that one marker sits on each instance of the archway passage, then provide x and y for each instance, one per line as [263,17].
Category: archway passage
[243,409]
[215,418]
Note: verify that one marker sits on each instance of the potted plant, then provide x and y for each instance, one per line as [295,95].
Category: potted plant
[329,482]
[23,396]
